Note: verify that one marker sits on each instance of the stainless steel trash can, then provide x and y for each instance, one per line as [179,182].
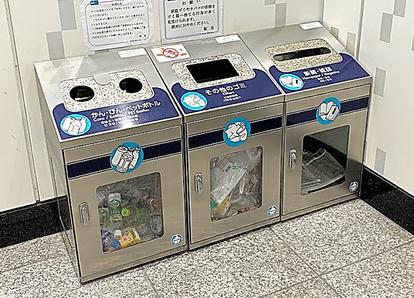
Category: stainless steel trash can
[327,94]
[232,120]
[114,140]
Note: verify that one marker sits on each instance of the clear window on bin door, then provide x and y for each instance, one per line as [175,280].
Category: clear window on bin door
[324,159]
[130,212]
[236,183]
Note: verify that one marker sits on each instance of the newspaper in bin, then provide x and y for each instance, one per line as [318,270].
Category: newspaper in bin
[319,170]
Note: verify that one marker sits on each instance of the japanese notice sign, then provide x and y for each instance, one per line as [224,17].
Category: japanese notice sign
[189,19]
[116,23]
[170,53]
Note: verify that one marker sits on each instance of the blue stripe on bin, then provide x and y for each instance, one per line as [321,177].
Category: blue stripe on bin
[99,164]
[310,115]
[217,136]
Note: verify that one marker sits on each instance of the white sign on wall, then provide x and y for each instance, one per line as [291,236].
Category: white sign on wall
[116,23]
[190,19]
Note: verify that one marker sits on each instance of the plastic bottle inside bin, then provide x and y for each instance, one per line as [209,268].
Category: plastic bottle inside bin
[115,211]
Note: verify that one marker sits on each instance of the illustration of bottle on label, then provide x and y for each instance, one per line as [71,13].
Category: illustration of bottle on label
[126,158]
[75,125]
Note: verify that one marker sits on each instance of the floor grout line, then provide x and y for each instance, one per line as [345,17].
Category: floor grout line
[300,258]
[151,283]
[367,258]
[329,286]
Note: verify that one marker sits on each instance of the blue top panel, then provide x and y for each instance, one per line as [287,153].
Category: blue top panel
[319,76]
[72,125]
[261,86]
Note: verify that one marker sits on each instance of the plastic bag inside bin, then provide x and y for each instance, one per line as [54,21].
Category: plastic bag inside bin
[236,183]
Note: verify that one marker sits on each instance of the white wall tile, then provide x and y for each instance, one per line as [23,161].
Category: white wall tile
[390,120]
[16,186]
[343,16]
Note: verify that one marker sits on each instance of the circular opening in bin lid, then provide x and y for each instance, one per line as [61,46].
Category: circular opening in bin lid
[130,85]
[82,93]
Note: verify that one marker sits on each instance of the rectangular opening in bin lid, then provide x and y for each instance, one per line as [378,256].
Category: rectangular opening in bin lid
[304,54]
[212,71]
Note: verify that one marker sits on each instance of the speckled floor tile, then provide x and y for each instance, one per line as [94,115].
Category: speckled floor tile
[314,288]
[131,283]
[51,278]
[388,275]
[251,265]
[340,235]
[30,252]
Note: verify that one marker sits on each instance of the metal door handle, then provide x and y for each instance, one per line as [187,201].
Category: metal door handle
[292,158]
[198,183]
[84,213]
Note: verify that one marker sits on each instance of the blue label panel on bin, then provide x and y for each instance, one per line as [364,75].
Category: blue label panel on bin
[261,86]
[319,76]
[106,119]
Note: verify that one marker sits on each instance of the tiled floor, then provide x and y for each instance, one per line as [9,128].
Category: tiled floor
[349,250]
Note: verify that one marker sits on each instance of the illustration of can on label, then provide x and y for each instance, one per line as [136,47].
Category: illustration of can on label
[291,82]
[328,110]
[127,157]
[75,125]
[194,101]
[236,131]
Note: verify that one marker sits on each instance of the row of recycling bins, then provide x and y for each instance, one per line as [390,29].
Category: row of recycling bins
[170,148]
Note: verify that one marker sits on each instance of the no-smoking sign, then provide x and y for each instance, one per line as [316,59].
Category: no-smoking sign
[170,53]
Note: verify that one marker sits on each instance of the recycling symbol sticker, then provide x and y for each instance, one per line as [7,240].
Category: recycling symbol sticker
[328,110]
[236,131]
[271,210]
[176,239]
[291,82]
[194,101]
[126,158]
[75,125]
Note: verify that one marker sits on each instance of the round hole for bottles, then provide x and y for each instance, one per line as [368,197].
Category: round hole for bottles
[130,85]
[82,93]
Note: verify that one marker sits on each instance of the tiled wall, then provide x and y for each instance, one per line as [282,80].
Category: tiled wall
[387,50]
[16,185]
[51,29]
[342,18]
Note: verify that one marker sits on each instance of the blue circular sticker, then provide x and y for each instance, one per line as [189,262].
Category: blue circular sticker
[291,82]
[194,101]
[328,110]
[236,131]
[75,125]
[127,157]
